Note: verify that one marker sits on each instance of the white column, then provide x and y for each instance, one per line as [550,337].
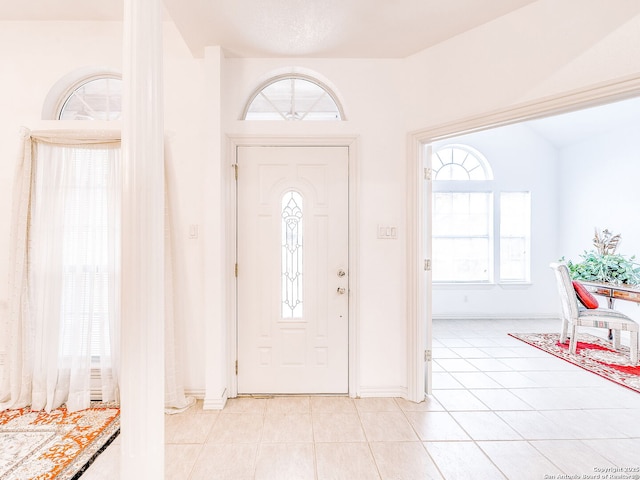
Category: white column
[142,330]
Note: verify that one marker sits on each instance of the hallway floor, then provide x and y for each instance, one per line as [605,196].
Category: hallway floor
[500,409]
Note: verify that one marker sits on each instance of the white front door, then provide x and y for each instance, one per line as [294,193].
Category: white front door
[292,256]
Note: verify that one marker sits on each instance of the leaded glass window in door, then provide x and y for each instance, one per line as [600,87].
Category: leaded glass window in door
[292,255]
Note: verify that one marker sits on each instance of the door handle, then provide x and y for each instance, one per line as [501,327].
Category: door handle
[341,290]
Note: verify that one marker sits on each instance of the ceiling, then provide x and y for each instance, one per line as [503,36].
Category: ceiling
[300,28]
[574,127]
[330,29]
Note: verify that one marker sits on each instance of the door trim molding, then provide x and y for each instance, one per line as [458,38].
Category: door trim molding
[418,311]
[235,141]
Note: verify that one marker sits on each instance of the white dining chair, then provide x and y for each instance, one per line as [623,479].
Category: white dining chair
[576,315]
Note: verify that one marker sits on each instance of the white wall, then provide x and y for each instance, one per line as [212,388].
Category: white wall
[521,160]
[600,189]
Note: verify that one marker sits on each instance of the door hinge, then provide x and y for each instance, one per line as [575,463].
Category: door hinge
[236,367]
[427,174]
[235,270]
[428,355]
[235,169]
[427,264]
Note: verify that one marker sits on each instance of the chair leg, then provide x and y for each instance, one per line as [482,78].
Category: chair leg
[616,339]
[563,332]
[573,341]
[634,347]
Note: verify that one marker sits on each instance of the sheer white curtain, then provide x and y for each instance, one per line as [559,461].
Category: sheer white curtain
[63,324]
[65,308]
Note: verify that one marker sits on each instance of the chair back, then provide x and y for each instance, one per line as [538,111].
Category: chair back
[568,297]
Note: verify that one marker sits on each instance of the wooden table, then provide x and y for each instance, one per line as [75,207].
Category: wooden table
[630,293]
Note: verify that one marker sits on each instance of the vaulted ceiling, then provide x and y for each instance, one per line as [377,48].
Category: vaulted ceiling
[313,28]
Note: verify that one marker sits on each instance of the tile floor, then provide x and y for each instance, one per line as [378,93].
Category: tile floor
[500,409]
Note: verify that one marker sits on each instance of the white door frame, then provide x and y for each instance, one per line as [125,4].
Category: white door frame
[233,142]
[418,285]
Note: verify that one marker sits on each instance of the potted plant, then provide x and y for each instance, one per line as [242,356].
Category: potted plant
[603,264]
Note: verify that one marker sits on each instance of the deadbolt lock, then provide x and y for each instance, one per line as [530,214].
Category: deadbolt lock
[341,273]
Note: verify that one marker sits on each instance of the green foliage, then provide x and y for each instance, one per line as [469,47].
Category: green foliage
[606,268]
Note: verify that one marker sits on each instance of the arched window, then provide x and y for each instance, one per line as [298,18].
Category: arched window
[293,98]
[460,162]
[97,98]
[478,233]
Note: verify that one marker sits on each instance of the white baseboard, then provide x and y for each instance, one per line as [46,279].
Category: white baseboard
[215,403]
[395,392]
[470,316]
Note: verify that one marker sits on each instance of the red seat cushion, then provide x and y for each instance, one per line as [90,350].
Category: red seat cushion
[585,296]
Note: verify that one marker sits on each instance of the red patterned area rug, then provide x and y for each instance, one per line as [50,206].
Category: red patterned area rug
[60,445]
[592,353]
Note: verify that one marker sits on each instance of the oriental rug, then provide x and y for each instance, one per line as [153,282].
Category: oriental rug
[57,445]
[593,353]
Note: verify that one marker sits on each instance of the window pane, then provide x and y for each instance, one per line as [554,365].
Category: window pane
[462,236]
[461,260]
[460,162]
[98,99]
[458,214]
[292,233]
[515,236]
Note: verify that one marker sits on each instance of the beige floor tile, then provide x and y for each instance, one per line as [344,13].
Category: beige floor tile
[436,426]
[106,466]
[287,428]
[485,426]
[429,404]
[519,460]
[489,365]
[572,457]
[621,452]
[458,400]
[245,405]
[188,428]
[237,428]
[512,380]
[387,426]
[475,380]
[586,423]
[456,365]
[445,381]
[294,404]
[535,426]
[376,405]
[403,461]
[285,462]
[337,427]
[332,405]
[225,462]
[345,461]
[462,461]
[501,399]
[179,461]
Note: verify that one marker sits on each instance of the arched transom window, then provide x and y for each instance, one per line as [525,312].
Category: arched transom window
[293,98]
[98,98]
[460,162]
